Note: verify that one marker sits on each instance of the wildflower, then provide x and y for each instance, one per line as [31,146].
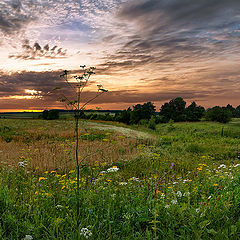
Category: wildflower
[186,194]
[215,184]
[64,175]
[71,171]
[169,187]
[199,169]
[53,172]
[113,169]
[179,194]
[41,178]
[86,233]
[222,166]
[167,206]
[210,197]
[28,237]
[62,187]
[22,164]
[46,172]
[174,201]
[109,180]
[197,210]
[134,179]
[59,207]
[237,165]
[122,183]
[190,180]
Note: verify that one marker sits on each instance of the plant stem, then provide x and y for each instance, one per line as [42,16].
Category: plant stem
[77,163]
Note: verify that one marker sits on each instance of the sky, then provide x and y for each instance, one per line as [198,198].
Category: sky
[143,50]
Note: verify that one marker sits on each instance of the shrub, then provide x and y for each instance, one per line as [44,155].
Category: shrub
[152,123]
[218,114]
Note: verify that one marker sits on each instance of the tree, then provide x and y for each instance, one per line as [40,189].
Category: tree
[174,110]
[144,111]
[49,115]
[124,116]
[194,113]
[218,114]
[238,111]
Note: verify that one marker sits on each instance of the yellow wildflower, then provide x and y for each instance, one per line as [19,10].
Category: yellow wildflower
[215,184]
[41,178]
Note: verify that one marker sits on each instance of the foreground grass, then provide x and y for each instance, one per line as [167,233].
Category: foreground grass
[186,185]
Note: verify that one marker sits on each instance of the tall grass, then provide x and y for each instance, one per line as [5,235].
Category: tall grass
[185,185]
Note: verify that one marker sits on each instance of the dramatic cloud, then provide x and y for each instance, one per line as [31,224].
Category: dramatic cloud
[144,50]
[37,52]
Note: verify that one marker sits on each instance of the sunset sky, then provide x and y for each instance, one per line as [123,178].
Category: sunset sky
[143,50]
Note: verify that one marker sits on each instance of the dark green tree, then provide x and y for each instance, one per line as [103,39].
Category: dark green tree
[218,114]
[174,110]
[194,113]
[142,111]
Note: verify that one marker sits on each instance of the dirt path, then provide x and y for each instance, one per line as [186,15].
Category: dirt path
[125,131]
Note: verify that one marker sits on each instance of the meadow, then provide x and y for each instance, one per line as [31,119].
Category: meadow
[180,181]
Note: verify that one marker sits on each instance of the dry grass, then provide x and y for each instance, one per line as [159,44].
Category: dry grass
[51,145]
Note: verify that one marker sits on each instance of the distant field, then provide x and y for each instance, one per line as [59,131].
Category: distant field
[179,182]
[35,115]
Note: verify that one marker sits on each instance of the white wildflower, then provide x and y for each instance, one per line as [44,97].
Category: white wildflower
[86,233]
[134,179]
[222,166]
[59,206]
[174,201]
[113,169]
[179,194]
[210,197]
[122,183]
[28,237]
[237,165]
[197,210]
[22,164]
[186,194]
[167,206]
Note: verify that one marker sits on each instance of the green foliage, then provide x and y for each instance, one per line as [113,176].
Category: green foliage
[152,123]
[144,111]
[218,114]
[6,133]
[186,185]
[194,113]
[49,115]
[175,110]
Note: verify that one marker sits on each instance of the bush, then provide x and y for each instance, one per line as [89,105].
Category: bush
[49,115]
[152,123]
[218,114]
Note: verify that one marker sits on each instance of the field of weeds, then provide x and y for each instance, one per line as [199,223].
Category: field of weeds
[178,182]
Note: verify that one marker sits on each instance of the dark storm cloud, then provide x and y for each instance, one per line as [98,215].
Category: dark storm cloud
[12,18]
[37,52]
[14,84]
[173,31]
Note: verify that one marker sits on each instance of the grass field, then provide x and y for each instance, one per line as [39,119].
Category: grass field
[179,182]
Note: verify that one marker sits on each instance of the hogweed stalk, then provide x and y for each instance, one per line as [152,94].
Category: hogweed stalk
[78,107]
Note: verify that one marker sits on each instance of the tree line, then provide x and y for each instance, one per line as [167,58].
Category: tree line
[174,110]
